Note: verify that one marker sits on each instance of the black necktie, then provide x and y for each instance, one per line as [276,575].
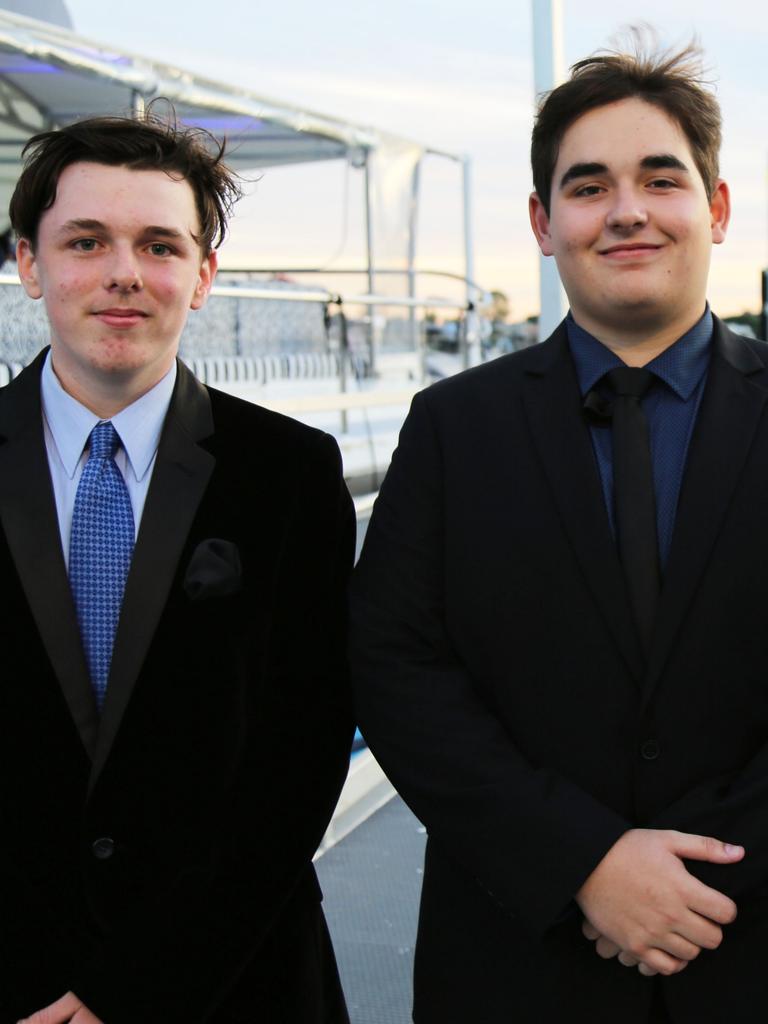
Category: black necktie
[633,495]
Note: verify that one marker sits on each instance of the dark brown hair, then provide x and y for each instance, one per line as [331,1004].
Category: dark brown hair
[672,81]
[142,143]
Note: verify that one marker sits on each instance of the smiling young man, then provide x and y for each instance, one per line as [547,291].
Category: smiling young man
[560,636]
[162,547]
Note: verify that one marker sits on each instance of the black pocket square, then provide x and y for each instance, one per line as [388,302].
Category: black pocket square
[214,570]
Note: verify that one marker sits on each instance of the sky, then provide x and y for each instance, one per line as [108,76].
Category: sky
[456,76]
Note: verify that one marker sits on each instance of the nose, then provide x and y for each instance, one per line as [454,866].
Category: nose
[627,212]
[122,271]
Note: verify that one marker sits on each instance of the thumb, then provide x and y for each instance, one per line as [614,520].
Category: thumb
[694,847]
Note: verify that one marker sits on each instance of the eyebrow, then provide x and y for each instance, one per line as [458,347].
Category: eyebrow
[582,171]
[656,162]
[155,230]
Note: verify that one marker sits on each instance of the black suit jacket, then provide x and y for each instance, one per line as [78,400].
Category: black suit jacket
[157,862]
[501,684]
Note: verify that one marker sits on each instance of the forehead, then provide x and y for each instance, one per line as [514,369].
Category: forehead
[122,196]
[620,133]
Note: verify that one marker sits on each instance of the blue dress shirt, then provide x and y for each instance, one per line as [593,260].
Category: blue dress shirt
[67,425]
[670,406]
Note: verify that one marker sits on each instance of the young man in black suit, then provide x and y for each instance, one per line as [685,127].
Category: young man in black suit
[560,632]
[173,564]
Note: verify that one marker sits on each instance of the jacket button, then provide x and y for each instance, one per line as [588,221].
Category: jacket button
[650,750]
[102,849]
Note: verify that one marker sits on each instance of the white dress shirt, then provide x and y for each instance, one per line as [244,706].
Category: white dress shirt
[67,426]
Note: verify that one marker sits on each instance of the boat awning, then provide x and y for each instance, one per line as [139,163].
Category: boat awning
[50,76]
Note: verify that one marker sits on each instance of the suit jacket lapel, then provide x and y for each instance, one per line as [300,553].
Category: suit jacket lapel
[179,478]
[731,408]
[28,512]
[554,410]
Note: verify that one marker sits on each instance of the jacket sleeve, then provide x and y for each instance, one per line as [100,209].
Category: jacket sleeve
[527,836]
[174,962]
[734,809]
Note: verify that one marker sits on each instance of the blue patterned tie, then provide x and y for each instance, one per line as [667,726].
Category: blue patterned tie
[100,550]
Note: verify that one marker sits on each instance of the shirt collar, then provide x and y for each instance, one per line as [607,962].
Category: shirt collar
[138,425]
[681,366]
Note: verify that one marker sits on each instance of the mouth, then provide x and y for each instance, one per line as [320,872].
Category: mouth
[630,250]
[119,316]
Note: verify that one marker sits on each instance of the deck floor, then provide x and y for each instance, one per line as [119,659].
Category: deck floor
[372,883]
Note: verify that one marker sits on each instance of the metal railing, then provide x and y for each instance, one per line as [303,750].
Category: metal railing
[343,358]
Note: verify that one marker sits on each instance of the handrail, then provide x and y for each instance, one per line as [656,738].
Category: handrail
[392,271]
[326,297]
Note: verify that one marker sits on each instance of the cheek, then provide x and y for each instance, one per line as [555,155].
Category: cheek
[73,285]
[172,291]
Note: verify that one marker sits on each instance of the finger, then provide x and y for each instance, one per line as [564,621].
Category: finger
[684,844]
[710,903]
[589,931]
[699,930]
[606,949]
[57,1013]
[679,947]
[646,970]
[627,960]
[660,963]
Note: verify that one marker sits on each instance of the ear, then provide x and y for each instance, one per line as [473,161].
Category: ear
[720,211]
[540,224]
[205,279]
[27,268]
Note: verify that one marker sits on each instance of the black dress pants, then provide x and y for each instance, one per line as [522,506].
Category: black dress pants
[658,1014]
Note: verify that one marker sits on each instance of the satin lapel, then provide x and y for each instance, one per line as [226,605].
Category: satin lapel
[181,474]
[28,513]
[554,410]
[731,407]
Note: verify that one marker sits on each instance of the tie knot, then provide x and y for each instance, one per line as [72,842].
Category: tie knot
[104,441]
[630,381]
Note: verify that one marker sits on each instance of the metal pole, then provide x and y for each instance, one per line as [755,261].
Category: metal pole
[547,74]
[343,364]
[137,104]
[472,354]
[369,260]
[413,215]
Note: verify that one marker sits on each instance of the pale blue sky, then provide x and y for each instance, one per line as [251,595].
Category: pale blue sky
[458,76]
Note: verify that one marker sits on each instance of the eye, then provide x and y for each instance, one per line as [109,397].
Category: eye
[85,244]
[585,191]
[662,184]
[160,249]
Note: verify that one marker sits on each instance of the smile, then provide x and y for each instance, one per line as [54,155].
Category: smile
[630,251]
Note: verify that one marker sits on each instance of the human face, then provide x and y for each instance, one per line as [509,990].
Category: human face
[630,225]
[118,267]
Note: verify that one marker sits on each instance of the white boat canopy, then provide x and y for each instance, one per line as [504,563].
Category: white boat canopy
[51,75]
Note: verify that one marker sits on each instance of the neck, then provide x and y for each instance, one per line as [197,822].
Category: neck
[106,398]
[638,343]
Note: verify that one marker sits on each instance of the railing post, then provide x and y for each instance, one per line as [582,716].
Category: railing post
[343,365]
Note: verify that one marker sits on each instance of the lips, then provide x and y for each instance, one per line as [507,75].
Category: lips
[629,249]
[120,317]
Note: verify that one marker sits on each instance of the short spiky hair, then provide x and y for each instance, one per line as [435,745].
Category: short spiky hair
[145,143]
[672,81]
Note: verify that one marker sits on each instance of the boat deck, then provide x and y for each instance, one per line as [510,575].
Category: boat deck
[372,881]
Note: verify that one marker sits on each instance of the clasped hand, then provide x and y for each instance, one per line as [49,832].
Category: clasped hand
[642,905]
[67,1010]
